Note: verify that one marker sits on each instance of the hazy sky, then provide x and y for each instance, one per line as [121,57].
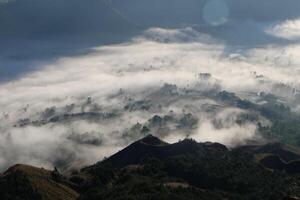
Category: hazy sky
[42,30]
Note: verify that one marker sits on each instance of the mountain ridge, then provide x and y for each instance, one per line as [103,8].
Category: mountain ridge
[185,170]
[151,146]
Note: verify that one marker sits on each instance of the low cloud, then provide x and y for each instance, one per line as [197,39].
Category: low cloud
[288,29]
[92,86]
[223,128]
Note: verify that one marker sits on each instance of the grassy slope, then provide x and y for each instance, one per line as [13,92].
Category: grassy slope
[33,183]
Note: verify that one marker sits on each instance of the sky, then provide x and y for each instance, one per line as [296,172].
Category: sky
[35,31]
[57,54]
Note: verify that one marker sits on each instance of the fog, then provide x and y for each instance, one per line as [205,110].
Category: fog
[73,93]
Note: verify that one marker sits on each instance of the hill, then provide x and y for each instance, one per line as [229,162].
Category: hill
[153,169]
[287,153]
[27,182]
[151,146]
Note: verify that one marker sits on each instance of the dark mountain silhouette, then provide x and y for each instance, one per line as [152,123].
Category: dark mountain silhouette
[153,169]
[276,163]
[273,162]
[151,146]
[277,156]
[286,152]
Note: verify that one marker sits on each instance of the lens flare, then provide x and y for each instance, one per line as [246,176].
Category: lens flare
[215,12]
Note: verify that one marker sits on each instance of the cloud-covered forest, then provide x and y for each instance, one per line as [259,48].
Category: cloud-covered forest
[82,79]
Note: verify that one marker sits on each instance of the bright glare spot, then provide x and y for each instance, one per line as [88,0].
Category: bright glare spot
[215,12]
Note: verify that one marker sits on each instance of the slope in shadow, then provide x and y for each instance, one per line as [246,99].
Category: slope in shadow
[151,146]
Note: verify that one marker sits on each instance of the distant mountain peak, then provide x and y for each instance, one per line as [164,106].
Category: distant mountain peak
[151,146]
[152,140]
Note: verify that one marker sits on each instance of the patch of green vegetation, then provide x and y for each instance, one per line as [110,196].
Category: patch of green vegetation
[212,173]
[285,125]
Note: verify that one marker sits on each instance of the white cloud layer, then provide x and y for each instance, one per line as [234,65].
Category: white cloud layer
[289,29]
[159,56]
